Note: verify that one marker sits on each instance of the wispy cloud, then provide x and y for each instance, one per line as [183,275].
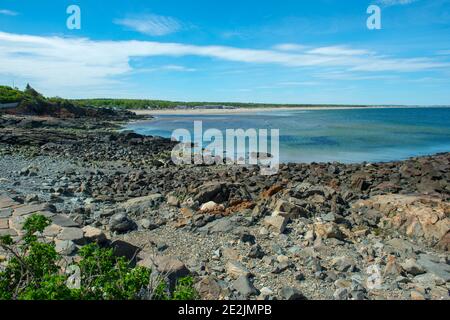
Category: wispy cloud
[81,62]
[297,83]
[169,67]
[7,12]
[173,67]
[389,3]
[326,51]
[353,76]
[151,24]
[290,47]
[339,51]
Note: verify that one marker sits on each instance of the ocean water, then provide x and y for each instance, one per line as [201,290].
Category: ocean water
[352,135]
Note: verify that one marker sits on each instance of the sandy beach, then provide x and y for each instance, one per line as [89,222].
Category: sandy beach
[252,110]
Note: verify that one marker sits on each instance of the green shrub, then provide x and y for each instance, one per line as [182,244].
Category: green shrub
[10,95]
[184,290]
[34,272]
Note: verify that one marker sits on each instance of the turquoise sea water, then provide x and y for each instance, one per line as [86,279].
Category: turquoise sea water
[352,135]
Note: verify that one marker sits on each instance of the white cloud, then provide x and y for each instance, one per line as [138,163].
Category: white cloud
[7,12]
[58,62]
[151,24]
[389,3]
[352,76]
[173,67]
[290,47]
[339,51]
[170,67]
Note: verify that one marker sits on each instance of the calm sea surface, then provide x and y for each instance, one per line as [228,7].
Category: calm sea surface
[353,135]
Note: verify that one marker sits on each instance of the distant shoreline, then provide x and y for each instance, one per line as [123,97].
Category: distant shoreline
[142,112]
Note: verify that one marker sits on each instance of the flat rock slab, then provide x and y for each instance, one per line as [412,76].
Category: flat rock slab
[222,225]
[432,265]
[6,213]
[141,203]
[17,223]
[92,234]
[73,234]
[8,232]
[63,221]
[65,247]
[7,202]
[33,208]
[4,224]
[52,230]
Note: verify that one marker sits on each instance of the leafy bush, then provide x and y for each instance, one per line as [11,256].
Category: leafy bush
[36,272]
[10,95]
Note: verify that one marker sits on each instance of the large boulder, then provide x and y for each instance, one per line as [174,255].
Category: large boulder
[423,218]
[328,230]
[221,193]
[139,205]
[276,223]
[244,286]
[288,208]
[92,234]
[209,289]
[166,266]
[120,223]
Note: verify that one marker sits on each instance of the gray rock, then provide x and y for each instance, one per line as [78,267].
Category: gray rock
[412,267]
[34,208]
[208,289]
[125,249]
[92,234]
[5,213]
[330,217]
[31,198]
[223,225]
[73,234]
[289,293]
[341,294]
[139,205]
[167,266]
[256,252]
[343,264]
[428,280]
[247,237]
[266,294]
[235,269]
[432,265]
[358,295]
[65,247]
[173,201]
[244,286]
[401,247]
[281,267]
[121,223]
[63,221]
[276,223]
[8,232]
[147,224]
[210,192]
[300,277]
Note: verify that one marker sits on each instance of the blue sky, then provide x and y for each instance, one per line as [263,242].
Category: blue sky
[289,51]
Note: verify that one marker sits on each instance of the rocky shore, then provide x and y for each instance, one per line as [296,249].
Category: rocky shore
[313,231]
